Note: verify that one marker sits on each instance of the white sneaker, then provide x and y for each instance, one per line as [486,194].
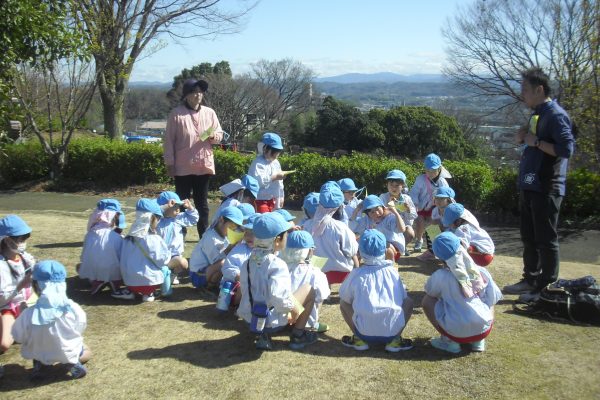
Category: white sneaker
[148,298]
[175,280]
[123,294]
[418,246]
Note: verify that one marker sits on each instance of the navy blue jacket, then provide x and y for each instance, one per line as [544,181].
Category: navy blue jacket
[541,172]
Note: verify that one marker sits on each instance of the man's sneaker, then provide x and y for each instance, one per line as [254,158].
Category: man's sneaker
[355,342]
[398,344]
[427,256]
[300,342]
[175,280]
[530,297]
[321,327]
[123,294]
[518,288]
[148,298]
[36,372]
[443,343]
[478,346]
[418,246]
[78,371]
[263,342]
[97,287]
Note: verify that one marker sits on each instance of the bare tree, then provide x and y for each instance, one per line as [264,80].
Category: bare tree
[55,99]
[120,31]
[491,42]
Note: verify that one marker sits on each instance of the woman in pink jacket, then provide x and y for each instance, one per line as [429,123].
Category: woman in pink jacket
[192,129]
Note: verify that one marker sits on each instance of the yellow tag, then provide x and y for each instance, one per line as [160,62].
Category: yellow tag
[289,172]
[433,231]
[318,262]
[533,120]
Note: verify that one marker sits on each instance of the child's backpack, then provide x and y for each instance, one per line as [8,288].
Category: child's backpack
[577,300]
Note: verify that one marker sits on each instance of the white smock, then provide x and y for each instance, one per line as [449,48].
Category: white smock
[263,170]
[471,234]
[410,214]
[171,230]
[306,273]
[337,243]
[388,226]
[11,274]
[101,255]
[423,190]
[209,250]
[234,261]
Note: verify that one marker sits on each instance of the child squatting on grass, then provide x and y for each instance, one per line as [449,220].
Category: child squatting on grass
[459,298]
[15,276]
[268,303]
[51,331]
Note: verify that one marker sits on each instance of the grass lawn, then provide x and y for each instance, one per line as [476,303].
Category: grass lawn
[181,348]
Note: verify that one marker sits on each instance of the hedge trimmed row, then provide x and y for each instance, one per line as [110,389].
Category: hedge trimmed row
[119,164]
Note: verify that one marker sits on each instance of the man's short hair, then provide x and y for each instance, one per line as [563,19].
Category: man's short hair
[536,77]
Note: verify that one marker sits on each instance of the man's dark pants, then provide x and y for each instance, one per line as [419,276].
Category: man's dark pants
[196,185]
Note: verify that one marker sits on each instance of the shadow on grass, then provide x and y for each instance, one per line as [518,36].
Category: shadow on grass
[58,245]
[16,377]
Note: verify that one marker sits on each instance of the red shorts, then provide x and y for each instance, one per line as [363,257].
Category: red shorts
[15,311]
[469,339]
[336,276]
[144,290]
[481,259]
[265,206]
[425,213]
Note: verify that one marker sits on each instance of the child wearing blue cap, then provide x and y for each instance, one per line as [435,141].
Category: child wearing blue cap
[373,300]
[15,276]
[266,169]
[476,240]
[101,253]
[459,298]
[297,254]
[422,194]
[334,240]
[350,201]
[443,197]
[170,228]
[309,206]
[238,191]
[52,330]
[268,302]
[386,219]
[145,255]
[396,185]
[209,254]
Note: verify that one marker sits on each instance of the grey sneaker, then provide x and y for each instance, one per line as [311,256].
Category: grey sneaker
[78,371]
[300,342]
[263,342]
[418,246]
[518,288]
[123,294]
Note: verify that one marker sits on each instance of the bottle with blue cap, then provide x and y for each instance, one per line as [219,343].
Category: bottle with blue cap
[224,296]
[260,312]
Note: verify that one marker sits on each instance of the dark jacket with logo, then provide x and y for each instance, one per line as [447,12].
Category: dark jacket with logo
[541,172]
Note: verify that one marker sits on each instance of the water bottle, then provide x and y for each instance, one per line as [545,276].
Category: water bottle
[224,296]
[259,317]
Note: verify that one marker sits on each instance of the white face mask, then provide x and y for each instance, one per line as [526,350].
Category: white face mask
[16,248]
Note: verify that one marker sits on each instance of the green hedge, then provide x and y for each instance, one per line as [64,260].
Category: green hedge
[119,164]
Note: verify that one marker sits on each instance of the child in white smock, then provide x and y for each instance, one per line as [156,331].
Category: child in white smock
[350,201]
[236,192]
[459,298]
[396,185]
[373,300]
[309,206]
[443,197]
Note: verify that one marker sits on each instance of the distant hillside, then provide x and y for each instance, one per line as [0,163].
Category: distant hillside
[384,77]
[146,84]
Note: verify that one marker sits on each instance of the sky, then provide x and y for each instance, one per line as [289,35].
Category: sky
[332,37]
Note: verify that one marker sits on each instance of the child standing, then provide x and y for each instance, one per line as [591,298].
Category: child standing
[297,254]
[350,201]
[145,255]
[267,171]
[170,228]
[422,194]
[52,330]
[267,289]
[334,240]
[210,252]
[459,298]
[373,300]
[15,276]
[101,253]
[476,240]
[396,184]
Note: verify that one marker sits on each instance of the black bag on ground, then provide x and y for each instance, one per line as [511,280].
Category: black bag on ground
[577,300]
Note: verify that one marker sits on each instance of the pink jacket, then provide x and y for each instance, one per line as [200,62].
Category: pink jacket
[182,145]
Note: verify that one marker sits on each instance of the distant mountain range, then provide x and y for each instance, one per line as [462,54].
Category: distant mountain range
[384,77]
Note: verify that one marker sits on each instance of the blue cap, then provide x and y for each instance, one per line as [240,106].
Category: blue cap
[233,214]
[285,214]
[372,243]
[331,195]
[445,191]
[371,201]
[109,205]
[310,204]
[432,161]
[453,212]
[164,198]
[149,205]
[13,225]
[122,224]
[445,245]
[249,222]
[246,209]
[251,184]
[269,225]
[347,185]
[300,240]
[396,174]
[273,140]
[49,271]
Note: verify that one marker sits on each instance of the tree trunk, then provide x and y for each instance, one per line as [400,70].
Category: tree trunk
[112,104]
[58,161]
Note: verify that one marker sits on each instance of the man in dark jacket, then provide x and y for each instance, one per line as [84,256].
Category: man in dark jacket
[548,144]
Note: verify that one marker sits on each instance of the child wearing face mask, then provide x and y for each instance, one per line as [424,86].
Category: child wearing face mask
[15,276]
[210,252]
[396,185]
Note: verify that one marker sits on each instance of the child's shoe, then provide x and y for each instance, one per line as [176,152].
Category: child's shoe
[398,344]
[355,342]
[263,342]
[444,343]
[36,372]
[148,298]
[175,279]
[78,371]
[478,346]
[300,342]
[427,256]
[418,246]
[123,294]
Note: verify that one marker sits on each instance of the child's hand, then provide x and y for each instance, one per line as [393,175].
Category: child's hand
[278,176]
[187,204]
